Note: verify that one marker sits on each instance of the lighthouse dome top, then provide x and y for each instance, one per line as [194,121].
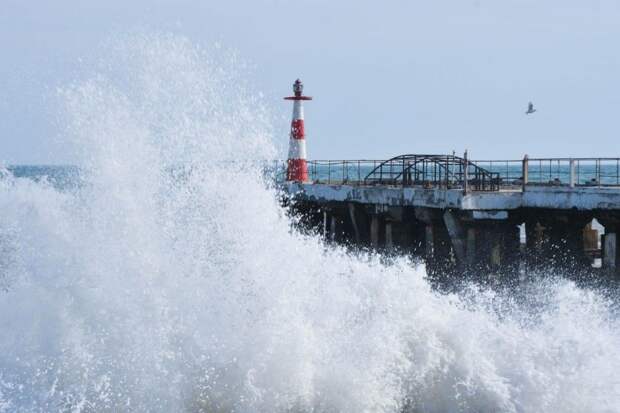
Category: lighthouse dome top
[298,87]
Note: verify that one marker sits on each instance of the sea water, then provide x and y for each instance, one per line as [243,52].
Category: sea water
[166,283]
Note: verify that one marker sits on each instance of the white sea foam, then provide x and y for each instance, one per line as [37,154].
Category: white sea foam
[170,283]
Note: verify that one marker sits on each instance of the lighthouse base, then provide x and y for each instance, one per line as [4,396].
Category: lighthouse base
[297,170]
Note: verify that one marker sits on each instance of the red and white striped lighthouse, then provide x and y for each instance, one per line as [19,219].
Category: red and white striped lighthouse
[297,166]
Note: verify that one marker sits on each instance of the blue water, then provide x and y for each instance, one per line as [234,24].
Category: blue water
[59,176]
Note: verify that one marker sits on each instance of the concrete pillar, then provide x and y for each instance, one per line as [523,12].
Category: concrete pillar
[457,235]
[493,248]
[495,256]
[471,247]
[610,251]
[438,257]
[429,241]
[558,244]
[374,230]
[574,255]
[590,238]
[356,231]
[332,228]
[590,241]
[617,256]
[389,243]
[325,234]
[535,243]
[512,248]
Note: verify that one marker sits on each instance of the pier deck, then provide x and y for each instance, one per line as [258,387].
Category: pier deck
[550,197]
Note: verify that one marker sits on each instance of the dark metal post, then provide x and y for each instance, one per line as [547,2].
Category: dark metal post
[465,173]
[329,172]
[524,172]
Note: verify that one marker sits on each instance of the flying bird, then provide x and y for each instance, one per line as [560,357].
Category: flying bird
[530,109]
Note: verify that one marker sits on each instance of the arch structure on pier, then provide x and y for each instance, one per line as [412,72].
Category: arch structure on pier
[443,171]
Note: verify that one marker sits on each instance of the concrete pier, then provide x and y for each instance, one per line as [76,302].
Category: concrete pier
[471,229]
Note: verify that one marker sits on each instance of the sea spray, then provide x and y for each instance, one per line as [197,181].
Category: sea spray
[171,279]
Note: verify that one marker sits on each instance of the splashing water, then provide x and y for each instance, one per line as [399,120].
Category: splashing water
[171,280]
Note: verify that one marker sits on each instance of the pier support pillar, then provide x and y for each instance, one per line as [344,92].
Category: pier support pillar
[374,230]
[610,245]
[484,242]
[617,254]
[438,250]
[428,240]
[557,242]
[495,256]
[324,226]
[332,228]
[471,248]
[566,246]
[492,248]
[512,242]
[389,242]
[457,235]
[611,254]
[534,240]
[352,217]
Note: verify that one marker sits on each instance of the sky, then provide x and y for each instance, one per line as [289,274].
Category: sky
[388,77]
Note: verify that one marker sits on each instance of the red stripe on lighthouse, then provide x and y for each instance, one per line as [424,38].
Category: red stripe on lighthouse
[297,129]
[297,170]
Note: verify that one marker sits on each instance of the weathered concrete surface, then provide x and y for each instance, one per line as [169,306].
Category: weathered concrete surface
[580,198]
[384,195]
[550,197]
[457,235]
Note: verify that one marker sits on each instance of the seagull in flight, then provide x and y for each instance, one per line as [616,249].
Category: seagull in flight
[530,109]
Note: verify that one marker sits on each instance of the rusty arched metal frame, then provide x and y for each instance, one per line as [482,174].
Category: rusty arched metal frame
[446,171]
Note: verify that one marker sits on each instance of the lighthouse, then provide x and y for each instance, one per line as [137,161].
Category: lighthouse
[297,167]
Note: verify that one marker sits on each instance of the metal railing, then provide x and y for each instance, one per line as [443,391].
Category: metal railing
[575,171]
[430,171]
[449,171]
[509,172]
[341,171]
[571,172]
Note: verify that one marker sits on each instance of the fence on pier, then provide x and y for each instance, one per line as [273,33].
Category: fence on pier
[557,171]
[448,171]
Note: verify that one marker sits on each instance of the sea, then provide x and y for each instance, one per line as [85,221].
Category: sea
[152,279]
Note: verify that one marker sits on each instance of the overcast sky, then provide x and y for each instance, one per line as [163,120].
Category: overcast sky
[388,77]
